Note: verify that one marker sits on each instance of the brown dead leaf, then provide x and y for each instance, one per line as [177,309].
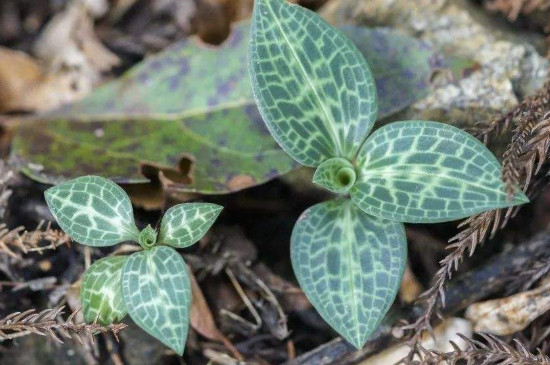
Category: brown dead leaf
[292,297]
[148,196]
[410,286]
[26,86]
[156,193]
[234,245]
[239,182]
[69,41]
[202,320]
[69,63]
[213,19]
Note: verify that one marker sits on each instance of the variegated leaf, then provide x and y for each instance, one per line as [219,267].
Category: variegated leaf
[92,210]
[313,87]
[101,291]
[185,224]
[157,293]
[349,264]
[427,172]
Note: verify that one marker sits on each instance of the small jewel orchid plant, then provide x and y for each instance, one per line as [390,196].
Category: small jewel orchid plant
[317,96]
[151,285]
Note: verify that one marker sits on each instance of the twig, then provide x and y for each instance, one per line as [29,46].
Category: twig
[537,102]
[48,323]
[16,241]
[492,351]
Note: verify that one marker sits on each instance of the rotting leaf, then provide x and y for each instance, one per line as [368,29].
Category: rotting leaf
[202,320]
[173,114]
[201,317]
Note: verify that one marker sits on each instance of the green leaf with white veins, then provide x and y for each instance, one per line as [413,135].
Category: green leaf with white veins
[101,291]
[427,172]
[314,89]
[92,210]
[185,224]
[157,293]
[349,264]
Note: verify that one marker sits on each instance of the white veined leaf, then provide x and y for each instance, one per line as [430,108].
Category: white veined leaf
[314,89]
[427,172]
[157,294]
[185,224]
[92,210]
[349,265]
[101,291]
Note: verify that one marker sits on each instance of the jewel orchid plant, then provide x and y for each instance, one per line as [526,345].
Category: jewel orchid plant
[151,285]
[317,96]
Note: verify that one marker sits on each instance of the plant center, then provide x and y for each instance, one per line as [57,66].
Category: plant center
[335,174]
[345,177]
[147,237]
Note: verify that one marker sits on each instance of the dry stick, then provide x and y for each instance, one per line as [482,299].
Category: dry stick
[48,323]
[28,241]
[537,102]
[466,289]
[494,351]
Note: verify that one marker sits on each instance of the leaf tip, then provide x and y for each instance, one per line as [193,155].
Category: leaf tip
[356,340]
[48,194]
[217,209]
[178,348]
[520,198]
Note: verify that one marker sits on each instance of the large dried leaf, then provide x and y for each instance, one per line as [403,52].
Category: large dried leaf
[193,104]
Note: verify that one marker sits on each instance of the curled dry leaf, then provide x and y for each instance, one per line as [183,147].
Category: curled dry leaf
[202,320]
[69,42]
[70,60]
[512,314]
[410,286]
[26,86]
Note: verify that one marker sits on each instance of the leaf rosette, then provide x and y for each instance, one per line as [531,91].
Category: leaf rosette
[151,285]
[317,97]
